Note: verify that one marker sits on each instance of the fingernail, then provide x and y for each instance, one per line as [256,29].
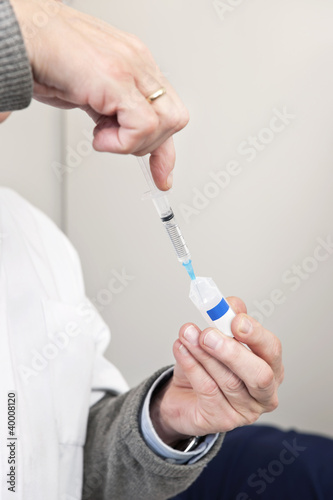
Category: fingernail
[182,349]
[245,326]
[192,335]
[170,180]
[213,339]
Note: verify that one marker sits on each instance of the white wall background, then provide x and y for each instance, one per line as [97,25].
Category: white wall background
[30,143]
[232,71]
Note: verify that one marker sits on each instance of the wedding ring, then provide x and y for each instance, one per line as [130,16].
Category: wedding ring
[156,94]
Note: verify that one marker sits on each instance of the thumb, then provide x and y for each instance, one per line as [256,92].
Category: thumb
[162,162]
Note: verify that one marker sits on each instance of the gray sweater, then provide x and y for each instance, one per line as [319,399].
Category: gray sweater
[118,465]
[15,72]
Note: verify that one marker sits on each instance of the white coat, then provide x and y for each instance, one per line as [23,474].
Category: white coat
[51,356]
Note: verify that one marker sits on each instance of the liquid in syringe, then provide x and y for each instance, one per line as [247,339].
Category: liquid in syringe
[204,293]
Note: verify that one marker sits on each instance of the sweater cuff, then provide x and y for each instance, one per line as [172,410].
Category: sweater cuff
[137,447]
[154,442]
[16,82]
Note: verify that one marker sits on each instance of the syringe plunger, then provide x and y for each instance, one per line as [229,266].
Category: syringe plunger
[166,214]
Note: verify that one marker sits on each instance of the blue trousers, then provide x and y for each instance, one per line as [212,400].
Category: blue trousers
[260,462]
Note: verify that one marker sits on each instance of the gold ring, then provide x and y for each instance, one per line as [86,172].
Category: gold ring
[156,94]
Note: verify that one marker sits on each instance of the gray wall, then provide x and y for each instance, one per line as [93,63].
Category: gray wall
[258,230]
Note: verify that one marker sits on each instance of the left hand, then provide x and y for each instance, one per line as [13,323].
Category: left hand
[3,116]
[216,389]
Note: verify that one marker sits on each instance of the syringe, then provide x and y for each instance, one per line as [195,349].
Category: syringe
[167,216]
[204,293]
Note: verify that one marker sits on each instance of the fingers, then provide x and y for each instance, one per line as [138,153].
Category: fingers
[213,412]
[162,162]
[169,108]
[261,341]
[237,305]
[139,127]
[215,350]
[83,62]
[126,130]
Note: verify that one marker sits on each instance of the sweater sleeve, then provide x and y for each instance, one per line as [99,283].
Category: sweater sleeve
[119,464]
[16,81]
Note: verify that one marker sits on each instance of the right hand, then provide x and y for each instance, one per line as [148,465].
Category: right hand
[80,61]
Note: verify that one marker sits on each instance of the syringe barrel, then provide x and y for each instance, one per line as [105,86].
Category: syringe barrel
[166,214]
[162,205]
[176,238]
[213,306]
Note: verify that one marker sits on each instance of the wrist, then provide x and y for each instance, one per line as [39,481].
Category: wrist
[34,18]
[161,417]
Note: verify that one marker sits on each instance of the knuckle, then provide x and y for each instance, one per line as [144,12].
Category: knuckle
[184,117]
[150,124]
[179,119]
[117,68]
[210,388]
[187,363]
[136,41]
[128,147]
[231,350]
[190,365]
[171,120]
[273,403]
[234,383]
[128,50]
[141,47]
[125,76]
[265,378]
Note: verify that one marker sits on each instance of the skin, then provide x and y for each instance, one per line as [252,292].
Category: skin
[79,61]
[3,116]
[217,390]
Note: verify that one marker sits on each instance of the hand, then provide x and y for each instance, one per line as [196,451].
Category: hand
[4,116]
[216,389]
[80,61]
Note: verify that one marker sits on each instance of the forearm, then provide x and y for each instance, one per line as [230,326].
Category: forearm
[117,454]
[15,72]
